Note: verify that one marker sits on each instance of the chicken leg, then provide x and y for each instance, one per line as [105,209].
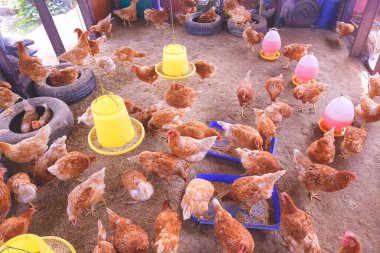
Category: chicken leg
[313,195]
[287,65]
[129,23]
[314,109]
[242,110]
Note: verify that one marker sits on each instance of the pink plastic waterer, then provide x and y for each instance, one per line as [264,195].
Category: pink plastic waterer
[271,42]
[339,113]
[307,69]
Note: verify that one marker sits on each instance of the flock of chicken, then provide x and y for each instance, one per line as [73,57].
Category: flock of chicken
[188,143]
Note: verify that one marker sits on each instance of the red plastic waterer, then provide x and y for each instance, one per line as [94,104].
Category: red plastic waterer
[271,45]
[339,113]
[306,70]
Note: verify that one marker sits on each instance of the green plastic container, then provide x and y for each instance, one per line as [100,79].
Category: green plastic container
[141,6]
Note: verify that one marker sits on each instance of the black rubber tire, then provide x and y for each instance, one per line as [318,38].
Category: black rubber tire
[203,29]
[62,122]
[259,25]
[71,93]
[305,13]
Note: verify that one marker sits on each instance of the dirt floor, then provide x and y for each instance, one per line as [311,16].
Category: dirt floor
[354,208]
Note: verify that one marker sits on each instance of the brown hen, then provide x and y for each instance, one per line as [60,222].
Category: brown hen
[23,190]
[180,96]
[196,198]
[350,243]
[31,66]
[343,29]
[28,149]
[207,17]
[278,111]
[94,45]
[275,86]
[204,69]
[137,185]
[128,14]
[258,162]
[367,111]
[188,6]
[319,177]
[242,136]
[167,228]
[145,73]
[159,17]
[323,150]
[78,54]
[7,97]
[197,130]
[374,87]
[266,128]
[15,226]
[309,93]
[62,77]
[85,195]
[103,246]
[126,54]
[252,37]
[245,92]
[252,189]
[29,116]
[104,26]
[5,197]
[44,119]
[166,119]
[71,166]
[126,237]
[232,235]
[353,141]
[297,227]
[187,148]
[295,51]
[57,150]
[161,164]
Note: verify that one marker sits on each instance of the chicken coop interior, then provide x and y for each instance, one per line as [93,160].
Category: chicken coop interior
[189,126]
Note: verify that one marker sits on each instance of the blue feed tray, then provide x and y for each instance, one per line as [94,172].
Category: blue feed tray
[223,143]
[235,210]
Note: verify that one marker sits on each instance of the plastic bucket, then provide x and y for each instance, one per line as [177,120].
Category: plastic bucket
[174,60]
[26,243]
[328,13]
[112,122]
[142,5]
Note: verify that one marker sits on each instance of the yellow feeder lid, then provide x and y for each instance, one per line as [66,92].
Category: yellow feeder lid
[26,243]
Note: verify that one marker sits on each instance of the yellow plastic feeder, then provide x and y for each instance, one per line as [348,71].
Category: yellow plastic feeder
[29,243]
[174,65]
[297,82]
[114,132]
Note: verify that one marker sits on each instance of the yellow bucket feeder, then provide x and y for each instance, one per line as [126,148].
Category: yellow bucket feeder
[174,64]
[29,243]
[115,132]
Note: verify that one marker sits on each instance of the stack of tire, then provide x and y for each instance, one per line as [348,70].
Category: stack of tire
[61,123]
[73,92]
[203,29]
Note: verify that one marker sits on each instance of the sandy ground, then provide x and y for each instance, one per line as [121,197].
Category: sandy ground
[354,208]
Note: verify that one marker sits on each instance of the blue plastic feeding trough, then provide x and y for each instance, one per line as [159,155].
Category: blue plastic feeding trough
[214,124]
[234,209]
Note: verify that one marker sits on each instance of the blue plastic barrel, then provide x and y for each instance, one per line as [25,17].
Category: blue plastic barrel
[328,13]
[142,5]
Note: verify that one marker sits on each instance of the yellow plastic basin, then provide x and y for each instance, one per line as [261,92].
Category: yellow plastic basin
[112,122]
[26,243]
[174,60]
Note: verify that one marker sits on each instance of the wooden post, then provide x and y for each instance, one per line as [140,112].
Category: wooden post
[364,27]
[50,28]
[86,14]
